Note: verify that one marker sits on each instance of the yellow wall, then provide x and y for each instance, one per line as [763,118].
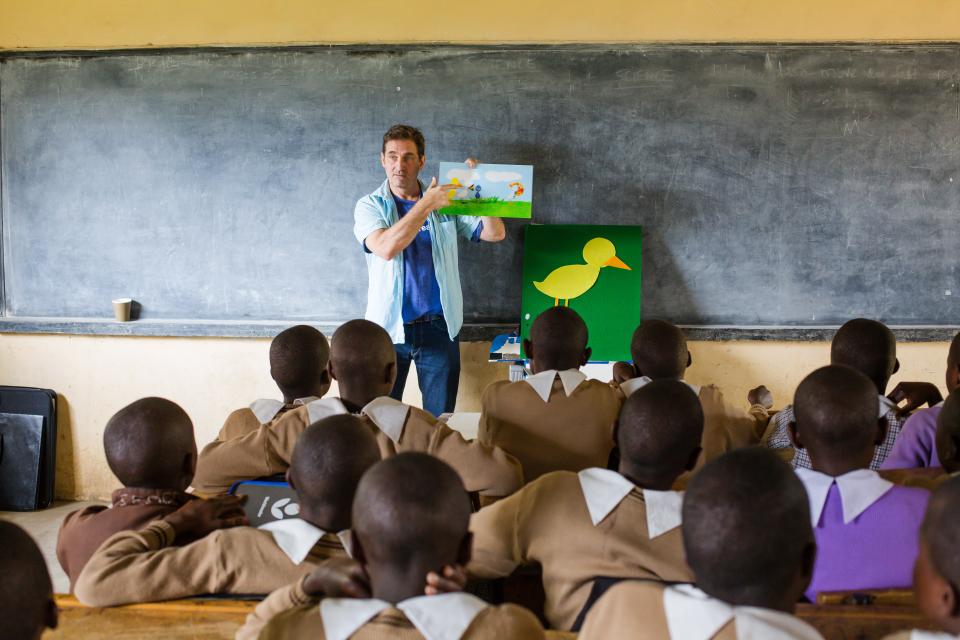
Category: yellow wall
[209,377]
[53,24]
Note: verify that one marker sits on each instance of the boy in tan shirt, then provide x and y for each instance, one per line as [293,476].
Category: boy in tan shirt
[749,541]
[298,364]
[659,352]
[410,519]
[599,523]
[27,606]
[150,448]
[142,566]
[364,364]
[555,419]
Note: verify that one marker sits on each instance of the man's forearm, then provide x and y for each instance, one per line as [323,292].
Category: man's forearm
[394,239]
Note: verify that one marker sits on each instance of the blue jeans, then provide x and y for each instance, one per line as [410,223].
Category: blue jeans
[438,364]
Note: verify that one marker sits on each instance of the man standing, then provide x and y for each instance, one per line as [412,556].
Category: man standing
[411,251]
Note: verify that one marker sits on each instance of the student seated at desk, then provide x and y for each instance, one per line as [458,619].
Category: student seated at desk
[746,531]
[26,592]
[151,450]
[871,348]
[143,566]
[916,444]
[600,523]
[555,419]
[937,571]
[364,364]
[410,520]
[947,438]
[659,352]
[866,527]
[298,364]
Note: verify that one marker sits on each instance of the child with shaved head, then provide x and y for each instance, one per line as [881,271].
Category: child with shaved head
[747,535]
[916,444]
[298,365]
[866,527]
[555,419]
[871,348]
[410,519]
[600,523]
[143,566]
[364,364]
[659,352]
[151,450]
[947,437]
[936,575]
[26,593]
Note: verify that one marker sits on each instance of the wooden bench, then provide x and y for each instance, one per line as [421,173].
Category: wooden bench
[196,619]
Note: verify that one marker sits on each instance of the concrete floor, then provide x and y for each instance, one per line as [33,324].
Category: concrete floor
[43,526]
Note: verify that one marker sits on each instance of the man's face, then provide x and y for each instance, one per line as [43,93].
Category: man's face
[402,164]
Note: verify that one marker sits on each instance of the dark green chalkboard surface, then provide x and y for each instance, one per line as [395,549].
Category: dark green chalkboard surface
[776,185]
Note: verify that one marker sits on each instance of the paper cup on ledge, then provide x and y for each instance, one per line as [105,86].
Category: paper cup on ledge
[121,309]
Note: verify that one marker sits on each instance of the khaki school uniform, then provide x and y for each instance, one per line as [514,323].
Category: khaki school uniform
[260,412]
[398,427]
[143,566]
[645,611]
[84,530]
[578,527]
[290,613]
[725,427]
[551,421]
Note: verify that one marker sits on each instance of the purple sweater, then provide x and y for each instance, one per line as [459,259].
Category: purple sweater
[916,444]
[876,550]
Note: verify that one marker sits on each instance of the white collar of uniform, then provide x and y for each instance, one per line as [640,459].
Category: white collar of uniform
[542,382]
[634,384]
[266,409]
[886,405]
[324,408]
[296,537]
[859,490]
[442,617]
[603,490]
[389,415]
[693,615]
[919,634]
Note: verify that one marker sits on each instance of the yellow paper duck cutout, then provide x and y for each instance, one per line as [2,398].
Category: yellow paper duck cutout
[573,280]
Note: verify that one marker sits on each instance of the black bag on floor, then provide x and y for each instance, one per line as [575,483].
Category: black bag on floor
[28,447]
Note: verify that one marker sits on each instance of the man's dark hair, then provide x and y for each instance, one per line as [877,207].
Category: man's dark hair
[404,132]
[149,444]
[746,526]
[659,350]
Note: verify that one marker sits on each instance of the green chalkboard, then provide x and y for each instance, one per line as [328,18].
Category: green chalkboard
[595,270]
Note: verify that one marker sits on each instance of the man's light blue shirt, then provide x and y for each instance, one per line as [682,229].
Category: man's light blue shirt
[385,289]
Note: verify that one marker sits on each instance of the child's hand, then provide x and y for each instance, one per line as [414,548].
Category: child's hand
[916,394]
[623,371]
[200,517]
[761,396]
[454,579]
[338,578]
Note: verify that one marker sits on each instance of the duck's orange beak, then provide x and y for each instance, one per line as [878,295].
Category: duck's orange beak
[616,262]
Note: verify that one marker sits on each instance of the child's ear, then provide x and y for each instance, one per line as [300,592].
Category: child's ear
[52,616]
[807,562]
[465,552]
[330,371]
[288,476]
[528,349]
[896,366]
[325,376]
[689,359]
[390,374]
[881,430]
[190,466]
[585,356]
[794,436]
[694,457]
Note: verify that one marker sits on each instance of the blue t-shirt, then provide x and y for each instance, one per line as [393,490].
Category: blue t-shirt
[421,291]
